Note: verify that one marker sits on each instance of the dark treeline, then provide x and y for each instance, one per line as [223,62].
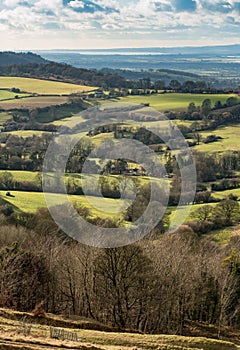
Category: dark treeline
[8,58]
[153,286]
[155,74]
[64,72]
[106,79]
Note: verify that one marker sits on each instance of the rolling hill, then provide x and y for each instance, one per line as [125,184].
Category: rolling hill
[12,58]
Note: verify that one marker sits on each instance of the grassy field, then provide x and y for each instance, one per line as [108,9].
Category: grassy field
[7,95]
[30,202]
[230,141]
[4,116]
[26,133]
[43,87]
[174,101]
[64,120]
[96,336]
[33,102]
[223,194]
[21,176]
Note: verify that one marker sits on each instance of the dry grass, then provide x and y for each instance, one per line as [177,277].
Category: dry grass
[11,335]
[33,102]
[43,87]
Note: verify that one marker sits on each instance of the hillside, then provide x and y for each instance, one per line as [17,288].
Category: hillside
[12,58]
[64,73]
[159,74]
[23,331]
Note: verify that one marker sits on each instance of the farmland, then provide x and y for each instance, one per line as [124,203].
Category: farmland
[9,95]
[33,102]
[30,202]
[27,133]
[230,140]
[24,209]
[174,101]
[4,116]
[42,87]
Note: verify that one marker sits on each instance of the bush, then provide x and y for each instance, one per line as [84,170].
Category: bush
[6,210]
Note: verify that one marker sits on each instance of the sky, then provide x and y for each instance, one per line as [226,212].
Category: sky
[88,24]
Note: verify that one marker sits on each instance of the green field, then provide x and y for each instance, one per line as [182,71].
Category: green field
[4,116]
[43,87]
[230,141]
[174,101]
[30,202]
[22,176]
[7,95]
[26,133]
[224,194]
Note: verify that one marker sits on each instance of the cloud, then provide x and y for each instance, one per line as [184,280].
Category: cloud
[217,6]
[87,6]
[115,20]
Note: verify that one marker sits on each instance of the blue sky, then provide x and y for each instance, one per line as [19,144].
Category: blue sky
[78,24]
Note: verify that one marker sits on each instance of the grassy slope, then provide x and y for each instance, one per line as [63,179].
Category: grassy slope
[230,135]
[27,133]
[44,87]
[20,175]
[4,116]
[10,321]
[171,101]
[31,201]
[6,95]
[34,102]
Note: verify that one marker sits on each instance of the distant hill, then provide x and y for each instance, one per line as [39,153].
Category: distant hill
[13,58]
[183,50]
[64,73]
[160,74]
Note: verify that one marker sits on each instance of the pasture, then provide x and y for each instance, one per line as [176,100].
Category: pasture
[26,133]
[175,101]
[4,116]
[43,87]
[22,176]
[94,335]
[33,102]
[30,202]
[8,95]
[230,140]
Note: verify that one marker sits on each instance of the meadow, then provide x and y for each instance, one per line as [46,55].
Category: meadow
[30,202]
[175,101]
[33,102]
[27,133]
[4,116]
[42,87]
[230,140]
[97,337]
[22,176]
[9,95]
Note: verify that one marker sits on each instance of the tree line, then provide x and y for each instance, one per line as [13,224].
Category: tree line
[154,286]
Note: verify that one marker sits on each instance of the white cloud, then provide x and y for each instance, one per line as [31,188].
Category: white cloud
[139,20]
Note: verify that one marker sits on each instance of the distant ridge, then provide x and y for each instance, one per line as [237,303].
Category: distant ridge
[8,58]
[215,49]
